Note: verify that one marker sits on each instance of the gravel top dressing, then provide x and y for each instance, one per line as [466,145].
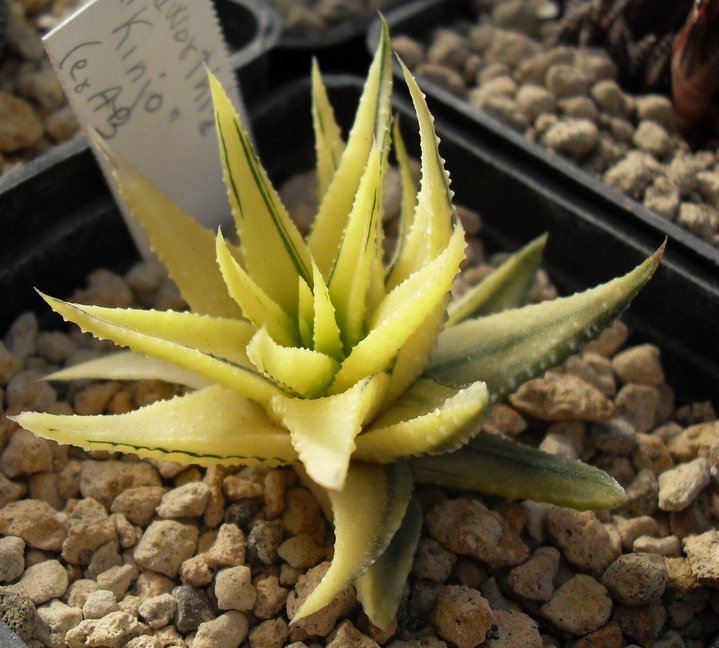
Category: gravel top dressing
[569,99]
[100,549]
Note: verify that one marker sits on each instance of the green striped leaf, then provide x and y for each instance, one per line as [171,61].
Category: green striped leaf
[210,426]
[367,513]
[256,305]
[273,250]
[506,287]
[371,124]
[380,589]
[127,365]
[429,418]
[209,346]
[492,465]
[508,348]
[329,145]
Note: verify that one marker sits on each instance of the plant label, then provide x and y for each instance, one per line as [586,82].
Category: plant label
[135,73]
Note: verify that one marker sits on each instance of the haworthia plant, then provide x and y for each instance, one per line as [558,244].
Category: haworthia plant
[313,353]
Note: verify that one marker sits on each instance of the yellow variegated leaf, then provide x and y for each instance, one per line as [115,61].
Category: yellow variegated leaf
[367,513]
[432,223]
[199,343]
[409,189]
[323,430]
[506,287]
[414,355]
[256,305]
[210,426]
[350,277]
[326,332]
[305,314]
[371,123]
[380,589]
[186,248]
[429,418]
[329,145]
[300,371]
[401,314]
[273,250]
[127,365]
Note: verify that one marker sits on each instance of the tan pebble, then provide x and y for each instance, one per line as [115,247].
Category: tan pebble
[158,610]
[271,597]
[228,630]
[228,549]
[302,514]
[103,558]
[138,504]
[10,491]
[147,392]
[669,546]
[234,589]
[608,636]
[462,615]
[53,621]
[432,561]
[559,397]
[300,551]
[195,571]
[12,558]
[44,486]
[187,476]
[679,486]
[642,624]
[652,454]
[514,630]
[21,126]
[118,579]
[127,533]
[62,124]
[450,80]
[36,522]
[534,579]
[579,606]
[9,364]
[582,538]
[639,364]
[44,581]
[104,288]
[94,398]
[322,622]
[89,526]
[701,440]
[346,635]
[502,419]
[105,480]
[272,633]
[165,545]
[25,454]
[215,508]
[274,493]
[99,603]
[289,575]
[409,50]
[78,591]
[631,528]
[149,584]
[636,579]
[703,555]
[113,631]
[236,488]
[610,340]
[184,502]
[467,527]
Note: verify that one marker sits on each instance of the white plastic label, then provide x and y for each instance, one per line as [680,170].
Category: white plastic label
[134,72]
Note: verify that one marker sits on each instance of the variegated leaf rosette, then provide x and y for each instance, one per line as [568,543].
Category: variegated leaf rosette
[314,352]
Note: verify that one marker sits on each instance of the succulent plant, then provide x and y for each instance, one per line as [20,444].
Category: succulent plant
[364,376]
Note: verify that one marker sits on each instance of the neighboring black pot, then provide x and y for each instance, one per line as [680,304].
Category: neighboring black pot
[677,310]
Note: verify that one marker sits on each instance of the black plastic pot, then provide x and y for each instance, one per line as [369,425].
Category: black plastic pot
[678,310]
[626,216]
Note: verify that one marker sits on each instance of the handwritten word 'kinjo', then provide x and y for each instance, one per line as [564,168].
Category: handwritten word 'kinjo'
[137,89]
